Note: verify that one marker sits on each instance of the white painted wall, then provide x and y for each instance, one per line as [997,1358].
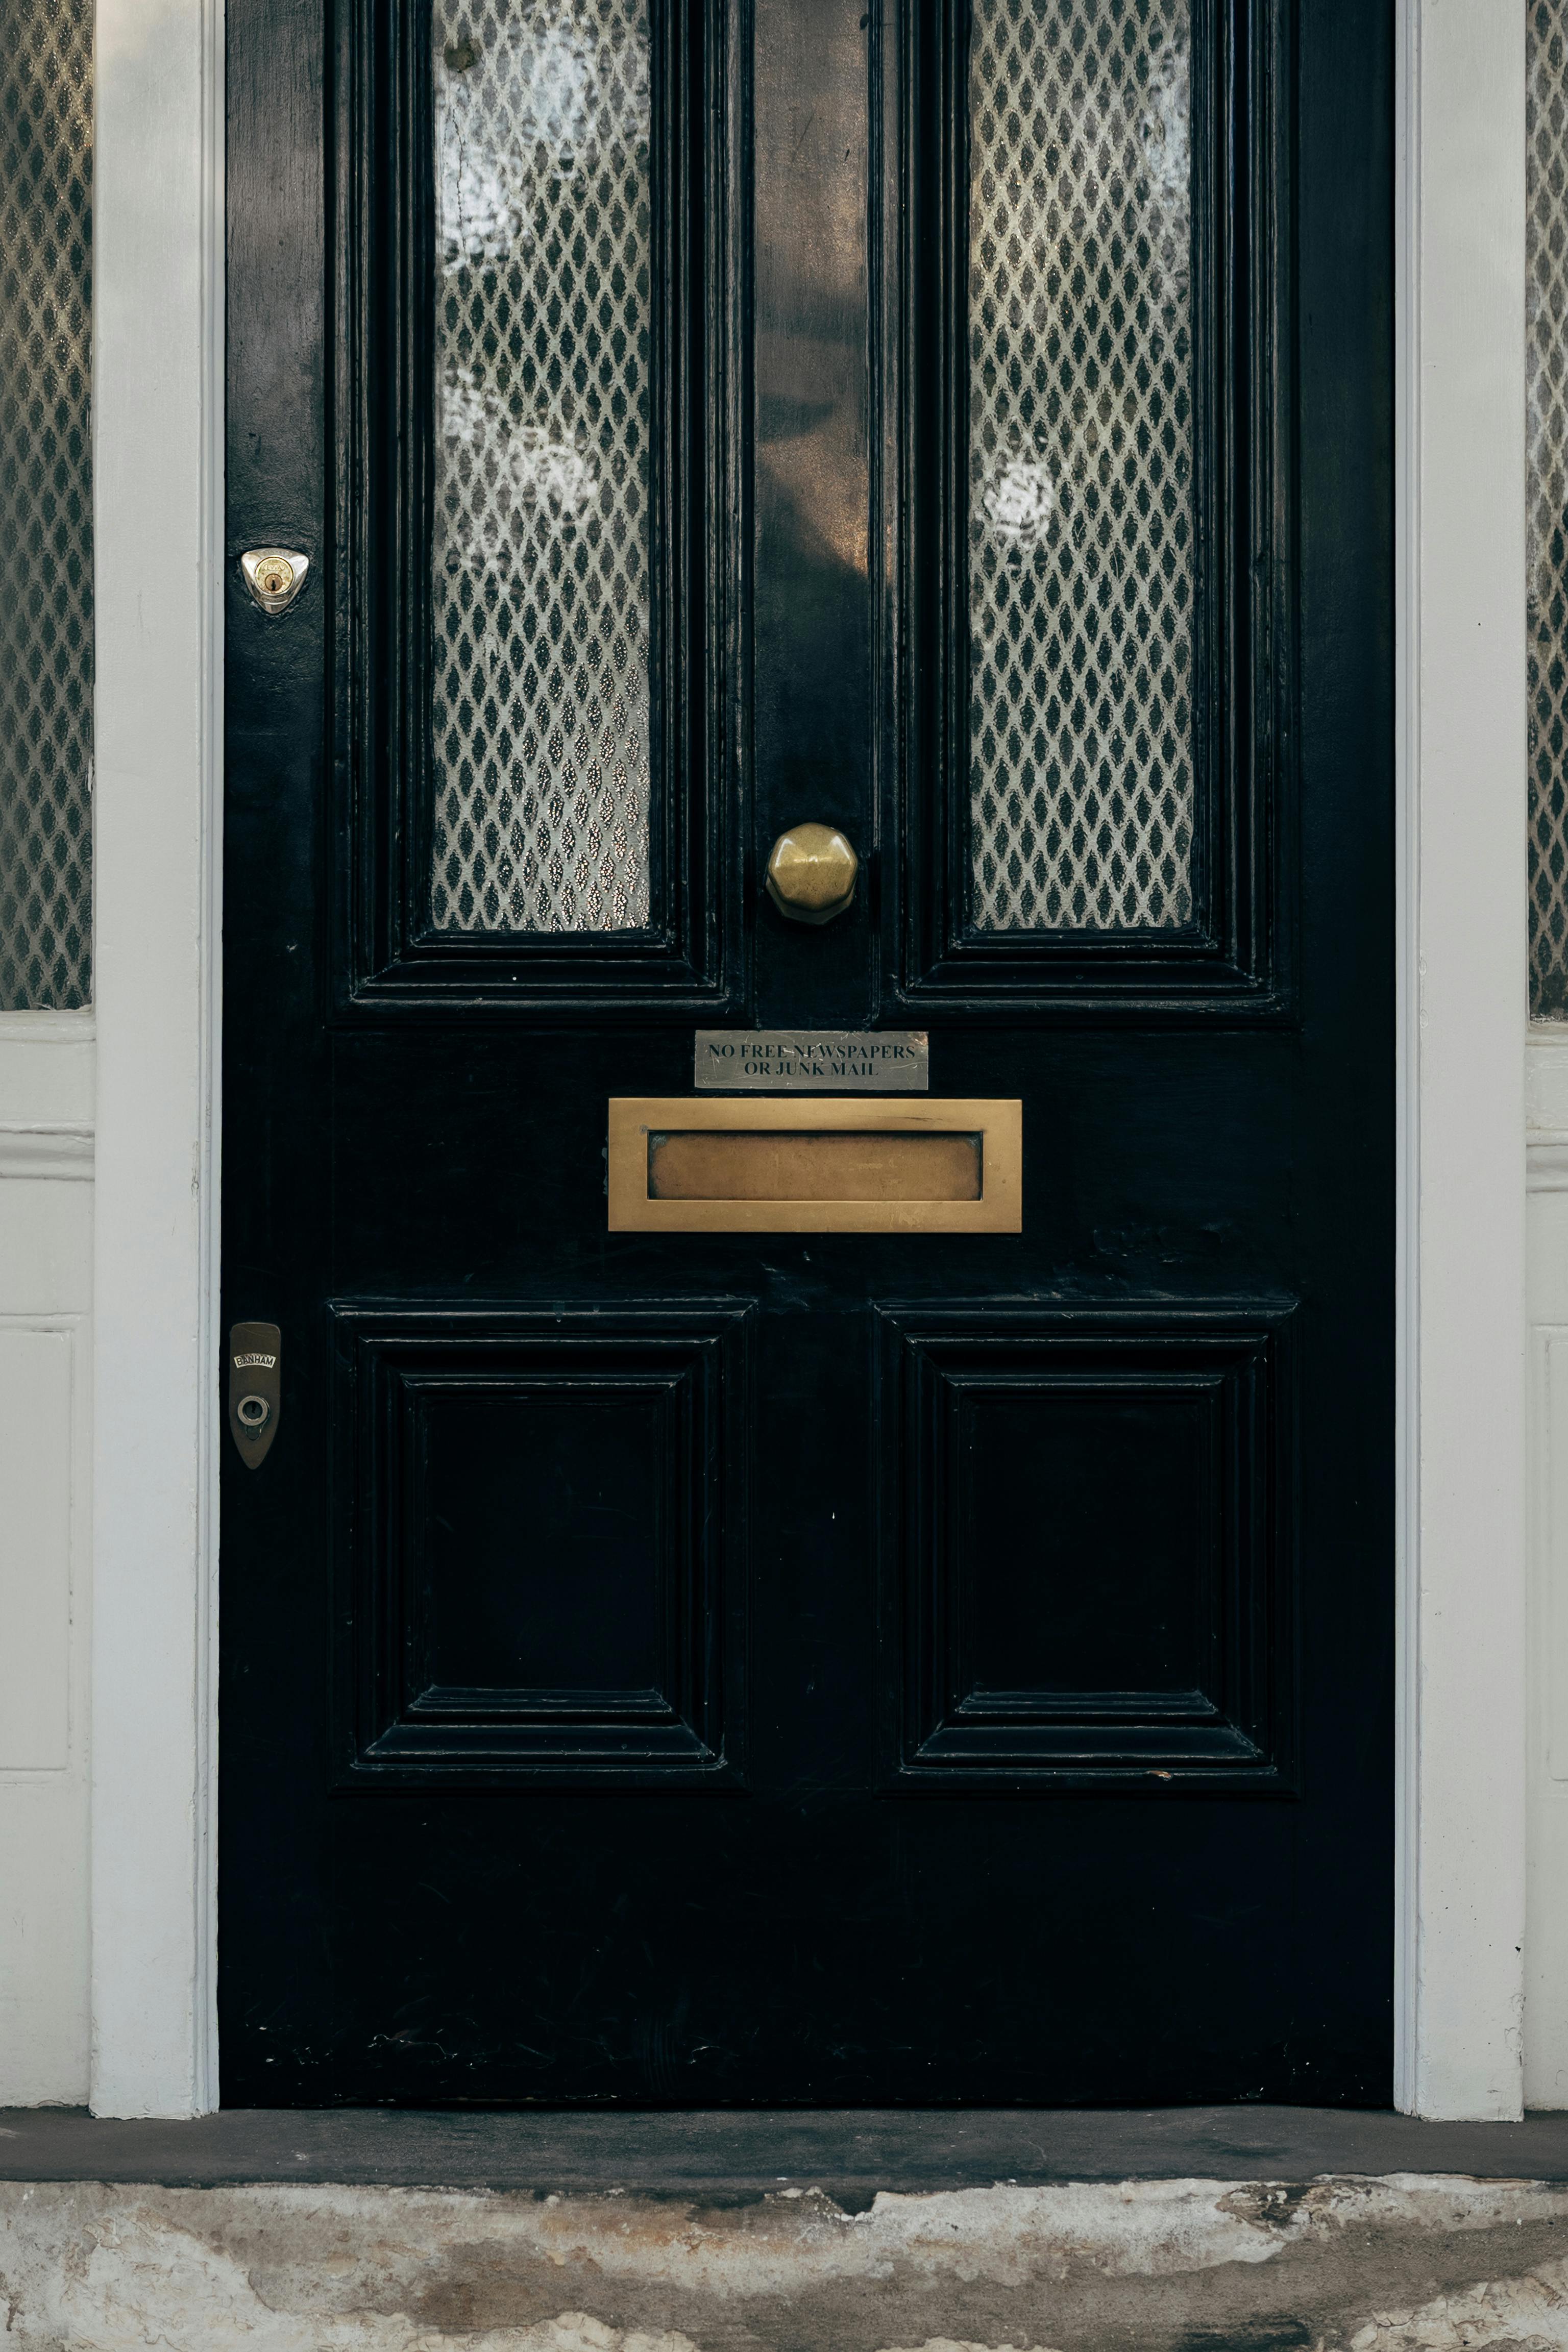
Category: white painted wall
[46,1503]
[1546,1925]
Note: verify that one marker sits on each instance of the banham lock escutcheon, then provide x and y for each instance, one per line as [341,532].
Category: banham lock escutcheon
[255,1389]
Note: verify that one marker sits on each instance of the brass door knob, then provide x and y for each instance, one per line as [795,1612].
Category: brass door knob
[811,873]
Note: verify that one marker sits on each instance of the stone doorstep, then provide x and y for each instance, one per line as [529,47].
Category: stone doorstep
[1390,2260]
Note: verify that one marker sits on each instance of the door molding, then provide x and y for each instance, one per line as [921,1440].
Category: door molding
[158,394]
[1461,918]
[1459,405]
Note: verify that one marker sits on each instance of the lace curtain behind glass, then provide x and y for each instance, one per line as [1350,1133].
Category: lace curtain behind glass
[539,654]
[1080,530]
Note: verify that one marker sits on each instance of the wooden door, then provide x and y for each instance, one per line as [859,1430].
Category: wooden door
[691,1666]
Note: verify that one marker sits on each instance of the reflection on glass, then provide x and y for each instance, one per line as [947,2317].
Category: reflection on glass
[540,557]
[1081,517]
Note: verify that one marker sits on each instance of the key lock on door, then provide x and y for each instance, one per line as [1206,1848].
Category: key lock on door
[255,1389]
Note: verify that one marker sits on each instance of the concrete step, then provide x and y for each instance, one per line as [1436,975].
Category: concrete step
[1185,2231]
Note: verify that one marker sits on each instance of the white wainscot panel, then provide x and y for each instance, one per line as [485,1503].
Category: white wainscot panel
[46,1454]
[35,1547]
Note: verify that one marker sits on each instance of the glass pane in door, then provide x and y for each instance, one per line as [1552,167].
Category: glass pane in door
[1080,492]
[540,545]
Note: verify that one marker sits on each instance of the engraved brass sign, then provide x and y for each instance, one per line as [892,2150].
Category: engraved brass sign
[811,1061]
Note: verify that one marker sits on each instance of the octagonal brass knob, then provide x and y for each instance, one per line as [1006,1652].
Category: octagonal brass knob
[811,873]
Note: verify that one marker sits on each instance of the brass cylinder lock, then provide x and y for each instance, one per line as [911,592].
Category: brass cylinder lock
[812,871]
[274,575]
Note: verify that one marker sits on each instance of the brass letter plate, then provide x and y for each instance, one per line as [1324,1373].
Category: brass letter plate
[899,1165]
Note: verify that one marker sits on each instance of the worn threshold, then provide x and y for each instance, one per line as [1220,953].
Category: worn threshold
[848,2153]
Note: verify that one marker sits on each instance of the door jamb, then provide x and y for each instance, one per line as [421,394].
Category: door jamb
[1459,676]
[1461,948]
[158,390]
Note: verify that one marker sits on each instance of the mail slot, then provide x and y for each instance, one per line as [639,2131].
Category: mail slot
[818,1165]
[894,1165]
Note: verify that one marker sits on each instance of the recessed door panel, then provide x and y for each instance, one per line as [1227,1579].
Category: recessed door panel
[545,1564]
[1088,1567]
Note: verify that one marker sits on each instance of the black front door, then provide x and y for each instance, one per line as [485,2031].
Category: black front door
[729,1656]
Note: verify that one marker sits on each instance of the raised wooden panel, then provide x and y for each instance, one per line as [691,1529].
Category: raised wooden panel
[1087,1545]
[546,1530]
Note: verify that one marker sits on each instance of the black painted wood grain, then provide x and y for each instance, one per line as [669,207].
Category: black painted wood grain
[413,1156]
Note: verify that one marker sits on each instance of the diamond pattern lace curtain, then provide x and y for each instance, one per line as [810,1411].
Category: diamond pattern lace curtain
[46,505]
[1080,502]
[539,669]
[1546,501]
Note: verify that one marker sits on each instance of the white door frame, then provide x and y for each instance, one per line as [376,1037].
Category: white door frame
[158,364]
[1459,417]
[158,389]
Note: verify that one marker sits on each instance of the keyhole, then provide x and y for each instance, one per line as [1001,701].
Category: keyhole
[252,1413]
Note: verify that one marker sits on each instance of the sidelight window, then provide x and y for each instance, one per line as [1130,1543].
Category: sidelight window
[46,505]
[1546,501]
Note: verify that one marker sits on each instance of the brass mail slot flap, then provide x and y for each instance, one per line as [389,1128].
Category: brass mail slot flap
[893,1164]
